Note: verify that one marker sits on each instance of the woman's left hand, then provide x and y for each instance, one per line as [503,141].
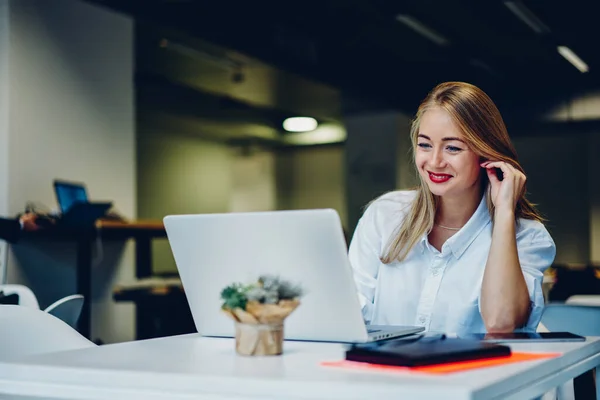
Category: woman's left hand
[506,192]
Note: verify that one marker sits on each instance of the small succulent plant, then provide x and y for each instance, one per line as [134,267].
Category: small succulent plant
[269,289]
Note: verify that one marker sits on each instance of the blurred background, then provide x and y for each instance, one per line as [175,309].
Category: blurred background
[178,106]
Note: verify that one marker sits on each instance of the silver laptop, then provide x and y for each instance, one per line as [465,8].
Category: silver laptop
[306,247]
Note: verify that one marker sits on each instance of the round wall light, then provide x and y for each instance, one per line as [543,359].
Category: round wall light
[300,124]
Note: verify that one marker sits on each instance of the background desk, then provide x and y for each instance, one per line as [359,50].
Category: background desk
[161,307]
[143,232]
[189,366]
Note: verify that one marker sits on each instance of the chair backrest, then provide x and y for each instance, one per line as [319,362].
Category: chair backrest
[578,319]
[25,331]
[26,296]
[67,309]
[584,299]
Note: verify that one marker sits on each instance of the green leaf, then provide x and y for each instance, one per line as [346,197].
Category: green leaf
[233,296]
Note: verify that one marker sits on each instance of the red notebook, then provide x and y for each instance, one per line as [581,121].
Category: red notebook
[446,368]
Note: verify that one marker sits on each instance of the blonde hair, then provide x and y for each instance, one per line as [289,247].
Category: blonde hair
[480,122]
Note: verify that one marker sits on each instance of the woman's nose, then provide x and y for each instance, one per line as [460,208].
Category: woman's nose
[437,158]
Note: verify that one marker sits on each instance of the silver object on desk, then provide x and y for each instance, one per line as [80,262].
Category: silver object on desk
[307,246]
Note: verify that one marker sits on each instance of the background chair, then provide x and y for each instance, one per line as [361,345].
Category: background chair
[26,331]
[582,320]
[26,296]
[576,318]
[67,309]
[584,300]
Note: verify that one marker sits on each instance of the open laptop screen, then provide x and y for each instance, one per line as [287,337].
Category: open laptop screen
[68,193]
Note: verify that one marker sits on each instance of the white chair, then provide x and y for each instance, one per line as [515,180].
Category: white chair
[26,296]
[25,331]
[67,309]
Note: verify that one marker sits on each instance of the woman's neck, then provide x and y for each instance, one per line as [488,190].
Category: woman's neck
[454,212]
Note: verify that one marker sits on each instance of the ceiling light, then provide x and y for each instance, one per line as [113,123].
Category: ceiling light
[326,133]
[422,29]
[300,124]
[527,16]
[573,59]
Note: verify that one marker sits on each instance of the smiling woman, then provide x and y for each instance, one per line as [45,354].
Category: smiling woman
[466,251]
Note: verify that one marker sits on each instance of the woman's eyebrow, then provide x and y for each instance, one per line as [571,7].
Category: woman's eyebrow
[449,139]
[446,139]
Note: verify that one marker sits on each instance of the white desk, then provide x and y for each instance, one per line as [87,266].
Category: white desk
[189,366]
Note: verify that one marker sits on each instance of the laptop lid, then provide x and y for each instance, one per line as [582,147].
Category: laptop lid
[69,193]
[83,215]
[306,246]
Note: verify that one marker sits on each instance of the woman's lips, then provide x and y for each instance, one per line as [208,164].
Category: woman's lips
[439,178]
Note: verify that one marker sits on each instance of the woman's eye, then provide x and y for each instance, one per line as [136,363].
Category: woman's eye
[453,149]
[424,145]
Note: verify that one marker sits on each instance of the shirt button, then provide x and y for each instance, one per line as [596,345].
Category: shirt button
[422,319]
[435,272]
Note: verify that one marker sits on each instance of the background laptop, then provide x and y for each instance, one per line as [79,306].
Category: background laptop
[75,207]
[308,247]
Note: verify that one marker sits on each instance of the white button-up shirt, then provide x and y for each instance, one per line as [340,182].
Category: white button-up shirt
[438,290]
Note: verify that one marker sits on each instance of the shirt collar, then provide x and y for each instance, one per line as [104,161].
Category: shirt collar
[462,239]
[459,242]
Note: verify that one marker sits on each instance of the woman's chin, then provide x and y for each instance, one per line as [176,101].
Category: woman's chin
[450,191]
[437,190]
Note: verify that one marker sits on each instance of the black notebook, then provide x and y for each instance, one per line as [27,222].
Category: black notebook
[412,353]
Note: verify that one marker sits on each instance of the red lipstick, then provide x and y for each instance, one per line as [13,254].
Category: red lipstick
[439,178]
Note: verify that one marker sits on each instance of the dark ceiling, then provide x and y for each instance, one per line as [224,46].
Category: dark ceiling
[354,55]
